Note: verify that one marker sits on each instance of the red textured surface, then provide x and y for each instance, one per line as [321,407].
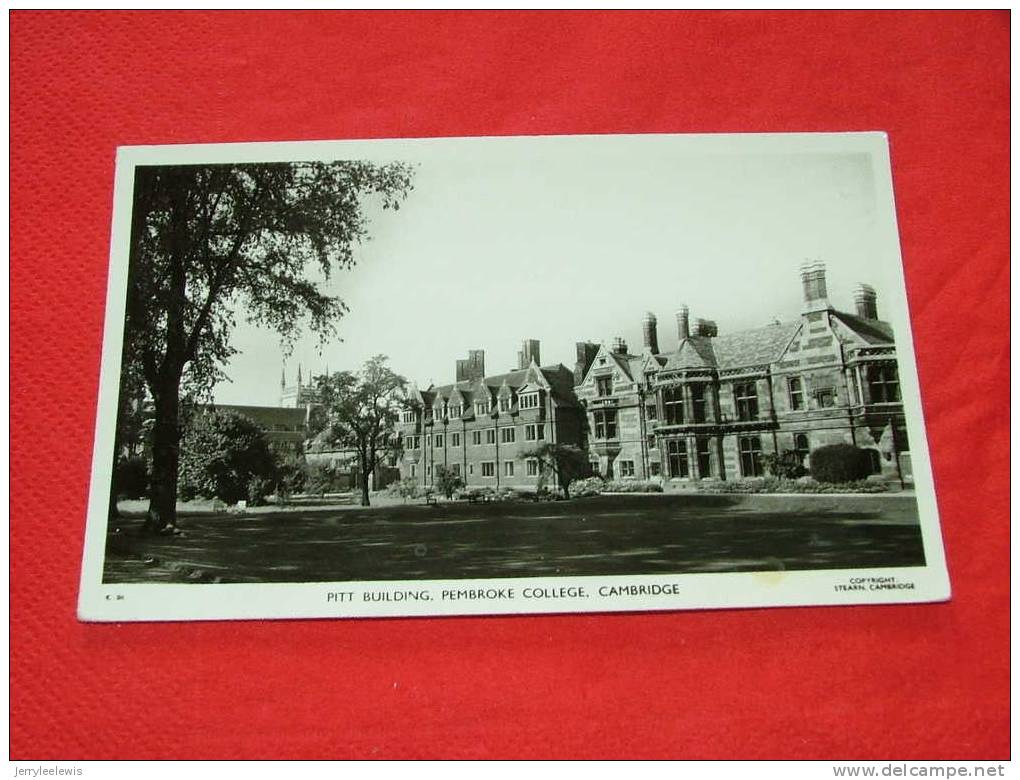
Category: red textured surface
[912,682]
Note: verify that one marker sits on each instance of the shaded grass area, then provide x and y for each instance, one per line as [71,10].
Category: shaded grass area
[600,535]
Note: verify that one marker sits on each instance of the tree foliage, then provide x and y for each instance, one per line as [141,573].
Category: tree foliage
[225,456]
[840,463]
[564,461]
[211,243]
[359,411]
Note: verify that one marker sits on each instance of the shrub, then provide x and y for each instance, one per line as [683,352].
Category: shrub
[131,478]
[632,486]
[322,478]
[291,476]
[590,486]
[785,464]
[837,463]
[405,488]
[447,481]
[777,485]
[221,454]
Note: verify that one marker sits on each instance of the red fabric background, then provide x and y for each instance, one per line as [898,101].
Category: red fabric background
[912,681]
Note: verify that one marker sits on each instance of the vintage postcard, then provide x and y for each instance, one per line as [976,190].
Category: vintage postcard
[507,375]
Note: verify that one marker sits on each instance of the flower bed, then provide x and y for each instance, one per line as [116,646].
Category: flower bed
[777,485]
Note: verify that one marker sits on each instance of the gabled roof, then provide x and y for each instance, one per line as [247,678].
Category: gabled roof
[871,331]
[756,346]
[693,352]
[559,379]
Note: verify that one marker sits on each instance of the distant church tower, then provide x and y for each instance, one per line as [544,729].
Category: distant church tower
[296,395]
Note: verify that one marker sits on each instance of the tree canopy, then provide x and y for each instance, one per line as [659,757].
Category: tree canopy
[210,243]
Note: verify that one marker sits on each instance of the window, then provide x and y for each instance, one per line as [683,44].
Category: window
[504,403]
[750,456]
[409,416]
[801,446]
[488,469]
[746,396]
[704,450]
[540,432]
[508,435]
[482,407]
[825,397]
[490,435]
[508,468]
[534,432]
[605,424]
[454,439]
[796,386]
[676,454]
[528,401]
[626,468]
[428,441]
[476,437]
[471,468]
[455,468]
[414,470]
[437,413]
[698,403]
[604,385]
[428,471]
[651,412]
[673,405]
[439,440]
[455,411]
[654,468]
[409,443]
[532,467]
[883,384]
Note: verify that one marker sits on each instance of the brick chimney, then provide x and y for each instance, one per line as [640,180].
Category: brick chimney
[651,333]
[683,323]
[529,351]
[866,302]
[812,279]
[586,352]
[619,346]
[706,328]
[473,367]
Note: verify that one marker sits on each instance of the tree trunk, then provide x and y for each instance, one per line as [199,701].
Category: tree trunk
[162,513]
[366,472]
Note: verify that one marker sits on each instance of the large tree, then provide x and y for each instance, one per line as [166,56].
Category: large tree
[212,243]
[358,411]
[564,461]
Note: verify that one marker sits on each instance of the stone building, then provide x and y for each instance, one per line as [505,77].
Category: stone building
[482,427]
[714,406]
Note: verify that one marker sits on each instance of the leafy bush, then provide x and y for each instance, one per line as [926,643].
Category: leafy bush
[405,488]
[785,464]
[836,463]
[326,477]
[221,455]
[291,476]
[591,486]
[447,481]
[131,478]
[632,486]
[777,485]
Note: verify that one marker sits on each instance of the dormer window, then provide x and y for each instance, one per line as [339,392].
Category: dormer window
[505,403]
[482,407]
[454,411]
[438,412]
[604,385]
[409,416]
[529,401]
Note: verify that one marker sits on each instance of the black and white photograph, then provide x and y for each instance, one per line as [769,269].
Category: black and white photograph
[507,375]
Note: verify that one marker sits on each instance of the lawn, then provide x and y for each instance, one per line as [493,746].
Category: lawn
[600,535]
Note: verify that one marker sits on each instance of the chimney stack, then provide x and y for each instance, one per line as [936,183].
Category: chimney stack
[812,278]
[619,346]
[706,328]
[683,324]
[473,367]
[529,352]
[651,333]
[586,352]
[866,302]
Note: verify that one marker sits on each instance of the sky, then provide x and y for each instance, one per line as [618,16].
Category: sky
[568,240]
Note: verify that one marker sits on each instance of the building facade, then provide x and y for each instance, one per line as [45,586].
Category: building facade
[714,406]
[484,427]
